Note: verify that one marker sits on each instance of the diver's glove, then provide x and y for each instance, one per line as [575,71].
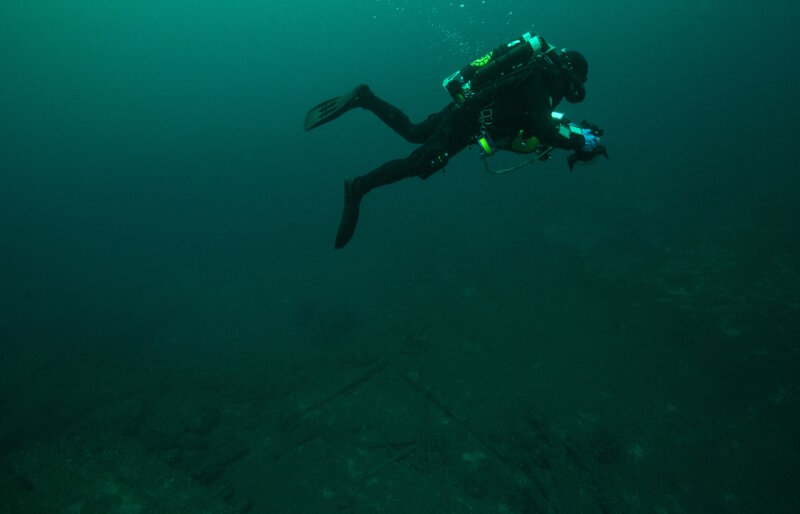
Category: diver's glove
[590,141]
[591,146]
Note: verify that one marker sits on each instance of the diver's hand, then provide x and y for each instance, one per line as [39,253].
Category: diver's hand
[591,144]
[590,141]
[586,156]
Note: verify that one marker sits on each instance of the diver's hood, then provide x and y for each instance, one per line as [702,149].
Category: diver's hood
[575,71]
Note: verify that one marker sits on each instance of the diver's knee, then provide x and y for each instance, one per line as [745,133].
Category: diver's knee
[431,160]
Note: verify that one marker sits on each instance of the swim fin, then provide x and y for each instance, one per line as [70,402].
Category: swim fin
[331,109]
[352,202]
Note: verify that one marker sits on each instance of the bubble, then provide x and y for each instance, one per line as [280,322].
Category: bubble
[451,27]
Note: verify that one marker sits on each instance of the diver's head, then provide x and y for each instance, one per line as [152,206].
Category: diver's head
[574,72]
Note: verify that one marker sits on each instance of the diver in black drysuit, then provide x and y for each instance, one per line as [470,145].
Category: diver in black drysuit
[518,115]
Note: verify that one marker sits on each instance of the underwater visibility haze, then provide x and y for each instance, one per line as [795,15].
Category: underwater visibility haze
[178,333]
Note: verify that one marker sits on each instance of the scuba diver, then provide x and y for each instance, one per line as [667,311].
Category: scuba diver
[501,101]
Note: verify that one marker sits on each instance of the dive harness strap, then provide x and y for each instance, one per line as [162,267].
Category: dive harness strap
[483,139]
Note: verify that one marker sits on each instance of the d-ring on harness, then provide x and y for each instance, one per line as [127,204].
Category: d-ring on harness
[484,140]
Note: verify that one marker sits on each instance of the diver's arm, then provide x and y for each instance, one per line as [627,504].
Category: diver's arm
[536,107]
[554,130]
[544,128]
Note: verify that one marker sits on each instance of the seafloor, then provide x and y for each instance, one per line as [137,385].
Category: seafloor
[650,369]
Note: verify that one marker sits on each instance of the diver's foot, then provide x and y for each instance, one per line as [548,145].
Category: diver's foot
[361,94]
[329,110]
[352,202]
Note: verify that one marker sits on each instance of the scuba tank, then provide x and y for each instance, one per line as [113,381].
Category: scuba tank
[499,72]
[495,67]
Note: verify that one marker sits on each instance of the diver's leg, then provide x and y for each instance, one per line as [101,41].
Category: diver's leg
[397,120]
[362,96]
[422,163]
[355,189]
[452,133]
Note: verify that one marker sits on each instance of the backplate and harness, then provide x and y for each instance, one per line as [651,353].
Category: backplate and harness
[501,71]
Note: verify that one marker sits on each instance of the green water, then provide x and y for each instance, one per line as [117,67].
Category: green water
[178,335]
